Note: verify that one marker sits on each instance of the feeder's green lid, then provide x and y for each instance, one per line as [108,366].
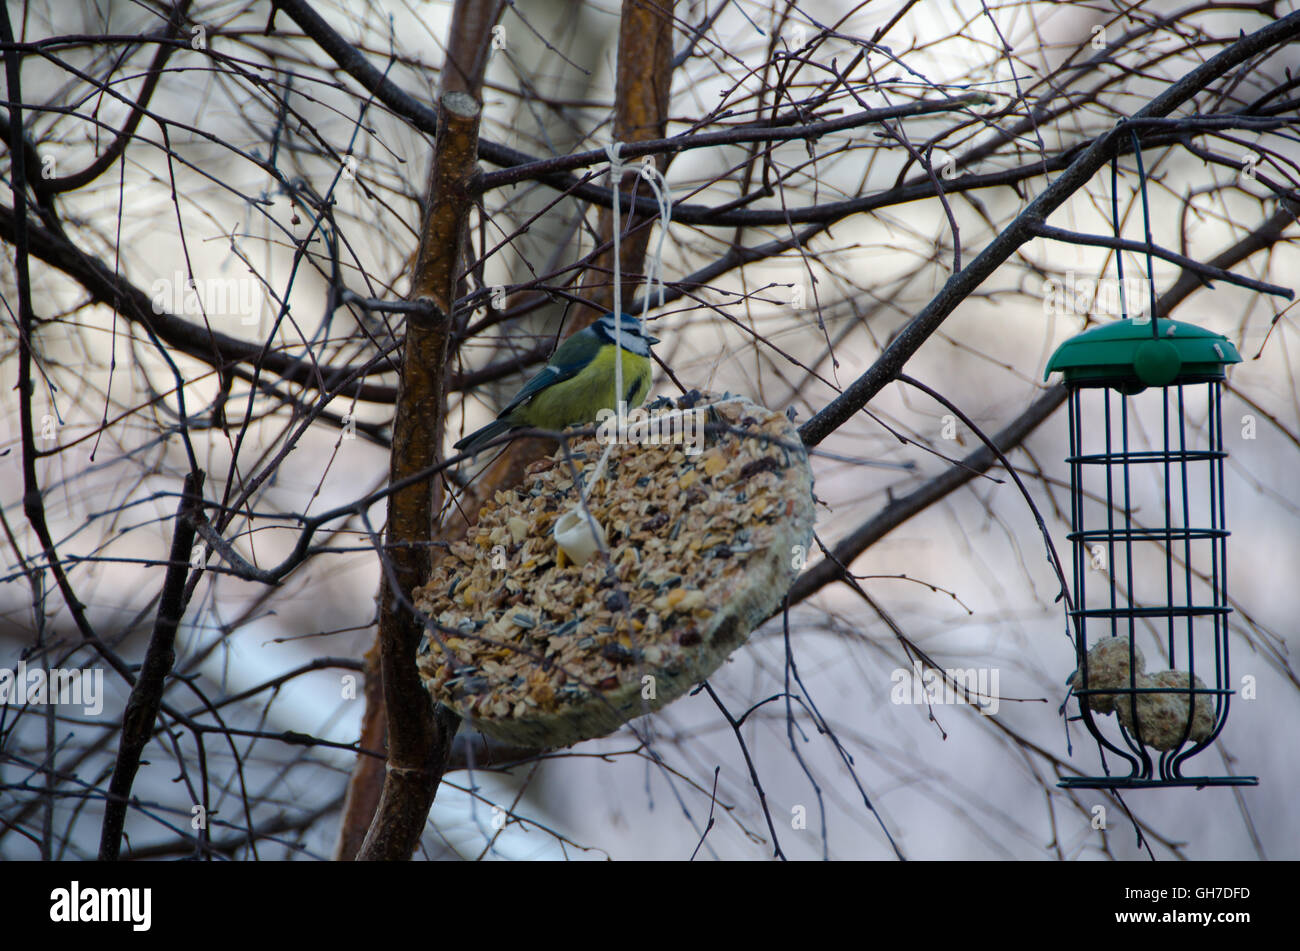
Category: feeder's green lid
[1127,356]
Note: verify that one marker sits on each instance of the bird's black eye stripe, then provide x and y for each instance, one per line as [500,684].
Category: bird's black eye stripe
[606,331]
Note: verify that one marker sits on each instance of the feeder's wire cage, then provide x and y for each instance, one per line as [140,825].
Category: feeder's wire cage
[1149,536]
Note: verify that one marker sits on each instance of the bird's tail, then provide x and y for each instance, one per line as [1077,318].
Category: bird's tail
[477,439]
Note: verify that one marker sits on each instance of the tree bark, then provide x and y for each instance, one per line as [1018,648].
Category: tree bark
[420,737]
[466,64]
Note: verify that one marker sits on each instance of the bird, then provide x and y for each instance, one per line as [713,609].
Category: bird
[576,383]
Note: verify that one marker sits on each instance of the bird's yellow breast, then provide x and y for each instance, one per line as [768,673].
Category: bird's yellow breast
[580,398]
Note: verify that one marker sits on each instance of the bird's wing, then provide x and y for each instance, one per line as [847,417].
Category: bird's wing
[572,355]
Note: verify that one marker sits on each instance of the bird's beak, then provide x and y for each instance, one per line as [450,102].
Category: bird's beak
[651,340]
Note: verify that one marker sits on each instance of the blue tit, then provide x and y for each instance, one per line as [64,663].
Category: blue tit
[577,382]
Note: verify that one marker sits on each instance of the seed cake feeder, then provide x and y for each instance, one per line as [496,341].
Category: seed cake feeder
[559,619]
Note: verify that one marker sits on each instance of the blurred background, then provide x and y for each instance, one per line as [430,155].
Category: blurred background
[275,180]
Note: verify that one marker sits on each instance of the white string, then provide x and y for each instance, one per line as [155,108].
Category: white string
[615,179]
[654,274]
[654,271]
[597,473]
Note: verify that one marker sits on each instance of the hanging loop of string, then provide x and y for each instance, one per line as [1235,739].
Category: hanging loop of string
[654,273]
[615,181]
[654,268]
